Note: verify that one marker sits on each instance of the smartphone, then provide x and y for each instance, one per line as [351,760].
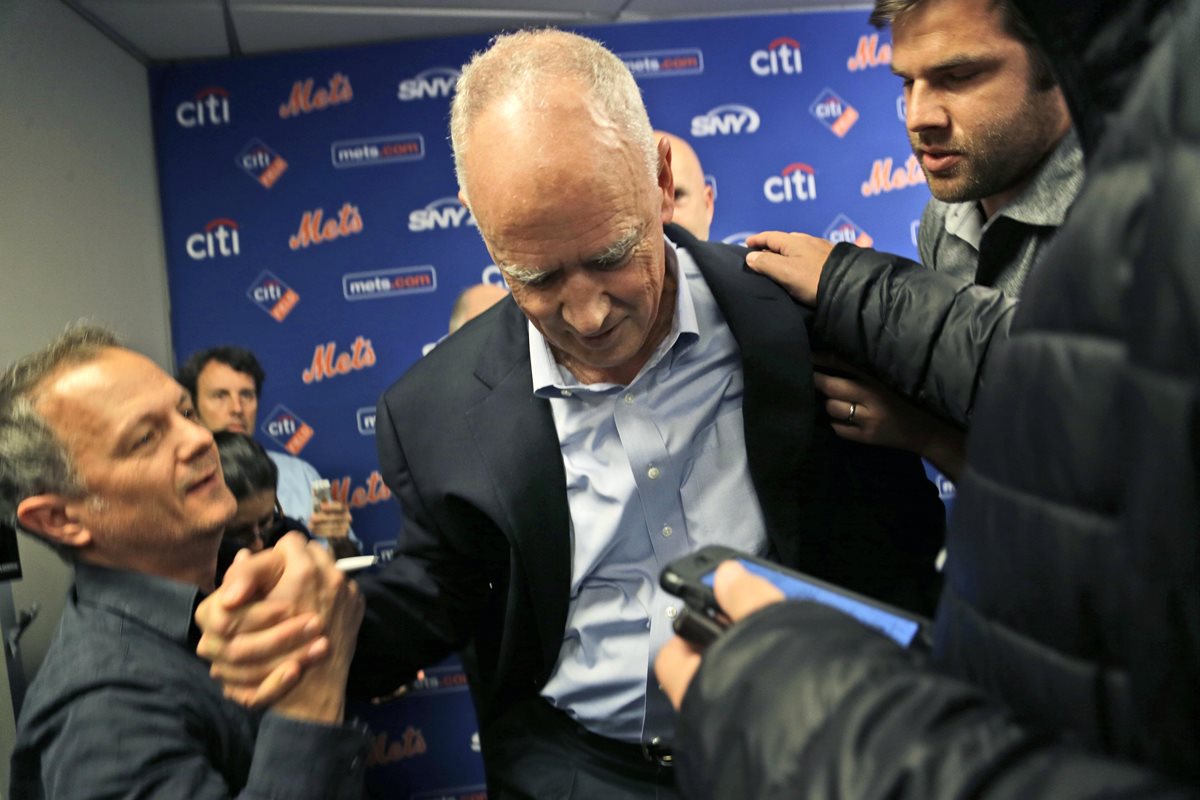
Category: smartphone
[321,493]
[691,578]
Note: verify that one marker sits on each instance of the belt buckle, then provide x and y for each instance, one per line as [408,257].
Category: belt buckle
[656,752]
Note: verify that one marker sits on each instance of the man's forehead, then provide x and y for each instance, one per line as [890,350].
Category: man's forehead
[96,392]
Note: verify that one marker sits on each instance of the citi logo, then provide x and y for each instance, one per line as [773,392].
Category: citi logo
[738,238]
[843,229]
[219,238]
[726,120]
[365,417]
[443,213]
[261,163]
[834,113]
[273,296]
[433,82]
[303,100]
[869,54]
[287,430]
[209,107]
[797,183]
[782,57]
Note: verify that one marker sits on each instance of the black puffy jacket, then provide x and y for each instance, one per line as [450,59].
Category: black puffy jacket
[1067,656]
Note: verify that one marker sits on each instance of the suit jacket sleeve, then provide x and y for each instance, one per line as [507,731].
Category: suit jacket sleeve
[802,701]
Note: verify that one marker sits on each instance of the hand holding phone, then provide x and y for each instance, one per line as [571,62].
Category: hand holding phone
[322,492]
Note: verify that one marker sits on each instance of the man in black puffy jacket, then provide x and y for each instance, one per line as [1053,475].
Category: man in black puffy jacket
[1067,646]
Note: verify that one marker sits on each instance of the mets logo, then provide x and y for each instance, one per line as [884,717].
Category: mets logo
[261,163]
[315,229]
[377,150]
[210,106]
[432,82]
[869,54]
[287,430]
[273,296]
[796,183]
[303,100]
[833,112]
[727,120]
[664,63]
[782,57]
[843,229]
[886,177]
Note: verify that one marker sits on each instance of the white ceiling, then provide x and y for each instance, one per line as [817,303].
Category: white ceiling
[165,30]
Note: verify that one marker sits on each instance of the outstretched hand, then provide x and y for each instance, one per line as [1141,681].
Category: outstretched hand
[793,260]
[740,594]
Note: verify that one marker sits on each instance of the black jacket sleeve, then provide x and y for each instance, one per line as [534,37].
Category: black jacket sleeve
[802,701]
[925,334]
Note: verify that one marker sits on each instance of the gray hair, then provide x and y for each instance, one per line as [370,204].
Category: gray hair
[33,460]
[1015,25]
[521,64]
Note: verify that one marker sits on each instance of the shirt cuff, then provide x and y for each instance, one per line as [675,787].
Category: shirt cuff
[296,760]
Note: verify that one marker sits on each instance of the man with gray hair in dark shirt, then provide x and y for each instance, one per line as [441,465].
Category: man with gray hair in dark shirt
[101,458]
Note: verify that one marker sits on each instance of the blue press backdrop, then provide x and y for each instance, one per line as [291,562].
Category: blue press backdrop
[310,214]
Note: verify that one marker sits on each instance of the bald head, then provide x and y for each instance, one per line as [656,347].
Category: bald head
[473,301]
[693,196]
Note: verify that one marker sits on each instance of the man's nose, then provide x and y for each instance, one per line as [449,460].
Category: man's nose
[925,109]
[585,304]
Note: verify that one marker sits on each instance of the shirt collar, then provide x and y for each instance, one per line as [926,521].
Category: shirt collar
[552,380]
[1043,202]
[164,605]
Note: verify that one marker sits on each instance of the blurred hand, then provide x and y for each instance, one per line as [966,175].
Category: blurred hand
[793,260]
[740,594]
[270,619]
[330,521]
[886,418]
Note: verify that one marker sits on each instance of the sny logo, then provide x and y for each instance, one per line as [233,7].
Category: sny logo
[388,282]
[303,100]
[287,430]
[379,150]
[220,238]
[869,54]
[797,182]
[664,63]
[261,163]
[843,229]
[315,230]
[833,112]
[432,82]
[325,365]
[443,213]
[273,296]
[725,120]
[209,107]
[782,56]
[885,179]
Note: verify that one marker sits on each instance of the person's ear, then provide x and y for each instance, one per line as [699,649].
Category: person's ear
[666,180]
[52,517]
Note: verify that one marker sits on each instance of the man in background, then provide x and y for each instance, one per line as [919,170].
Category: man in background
[225,384]
[101,459]
[693,195]
[473,301]
[990,127]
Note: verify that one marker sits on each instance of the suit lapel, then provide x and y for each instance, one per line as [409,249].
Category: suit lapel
[779,402]
[515,433]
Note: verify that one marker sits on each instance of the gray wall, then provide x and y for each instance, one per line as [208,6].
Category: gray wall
[80,232]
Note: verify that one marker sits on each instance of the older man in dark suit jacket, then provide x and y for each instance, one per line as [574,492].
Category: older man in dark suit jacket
[639,395]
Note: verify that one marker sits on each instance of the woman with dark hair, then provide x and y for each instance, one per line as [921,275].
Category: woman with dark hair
[251,475]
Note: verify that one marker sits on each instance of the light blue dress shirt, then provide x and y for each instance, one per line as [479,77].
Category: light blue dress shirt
[654,470]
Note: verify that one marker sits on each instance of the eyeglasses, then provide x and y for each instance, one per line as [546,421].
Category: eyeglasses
[266,529]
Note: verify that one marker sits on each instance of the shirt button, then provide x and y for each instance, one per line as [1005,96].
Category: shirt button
[672,612]
[653,473]
[565,392]
[667,530]
[629,399]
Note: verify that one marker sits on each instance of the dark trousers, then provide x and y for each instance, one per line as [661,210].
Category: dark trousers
[537,751]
